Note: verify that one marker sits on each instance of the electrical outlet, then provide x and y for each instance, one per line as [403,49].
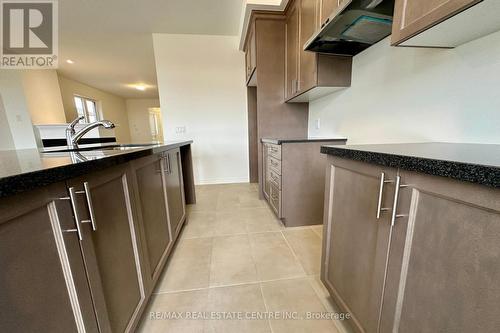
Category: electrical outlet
[180,129]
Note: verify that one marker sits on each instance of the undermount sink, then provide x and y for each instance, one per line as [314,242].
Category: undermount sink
[127,146]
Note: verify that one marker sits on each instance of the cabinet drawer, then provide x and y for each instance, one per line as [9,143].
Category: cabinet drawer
[275,178]
[274,165]
[275,151]
[275,199]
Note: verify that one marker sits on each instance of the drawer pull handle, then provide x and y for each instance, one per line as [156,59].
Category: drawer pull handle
[381,194]
[395,215]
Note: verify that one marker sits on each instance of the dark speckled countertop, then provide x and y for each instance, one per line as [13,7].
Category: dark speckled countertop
[476,163]
[23,170]
[301,140]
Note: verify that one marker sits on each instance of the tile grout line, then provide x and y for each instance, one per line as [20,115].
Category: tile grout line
[236,284]
[265,307]
[294,254]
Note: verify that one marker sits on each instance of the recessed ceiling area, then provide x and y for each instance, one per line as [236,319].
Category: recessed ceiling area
[110,42]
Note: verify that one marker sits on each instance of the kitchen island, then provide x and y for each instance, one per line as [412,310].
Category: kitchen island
[414,227]
[84,235]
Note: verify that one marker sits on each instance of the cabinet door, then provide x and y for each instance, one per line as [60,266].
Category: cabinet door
[152,209]
[444,267]
[111,251]
[309,23]
[356,243]
[265,174]
[43,284]
[292,47]
[327,9]
[175,191]
[414,16]
[250,53]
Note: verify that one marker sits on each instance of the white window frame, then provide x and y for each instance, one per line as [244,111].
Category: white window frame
[85,110]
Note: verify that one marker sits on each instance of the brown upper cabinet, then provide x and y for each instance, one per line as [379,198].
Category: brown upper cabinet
[443,23]
[310,75]
[292,46]
[328,8]
[251,57]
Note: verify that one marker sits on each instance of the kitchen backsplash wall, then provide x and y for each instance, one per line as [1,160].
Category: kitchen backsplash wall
[417,95]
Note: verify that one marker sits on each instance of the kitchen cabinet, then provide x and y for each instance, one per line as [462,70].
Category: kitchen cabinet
[251,57]
[428,263]
[292,47]
[310,75]
[294,179]
[84,255]
[110,246]
[267,183]
[43,284]
[150,189]
[356,241]
[328,7]
[436,23]
[444,256]
[175,190]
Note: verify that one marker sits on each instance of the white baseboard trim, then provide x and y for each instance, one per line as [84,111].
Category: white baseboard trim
[222,181]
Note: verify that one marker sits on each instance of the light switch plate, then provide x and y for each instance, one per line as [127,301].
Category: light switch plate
[318,123]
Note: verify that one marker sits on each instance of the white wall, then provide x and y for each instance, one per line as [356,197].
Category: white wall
[201,86]
[43,96]
[6,140]
[417,95]
[16,109]
[138,118]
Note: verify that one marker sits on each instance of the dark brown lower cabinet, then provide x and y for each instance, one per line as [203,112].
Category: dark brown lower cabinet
[150,189]
[84,255]
[429,263]
[444,266]
[43,283]
[356,242]
[175,190]
[110,246]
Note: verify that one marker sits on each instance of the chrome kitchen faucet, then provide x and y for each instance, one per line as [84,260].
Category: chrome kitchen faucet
[72,137]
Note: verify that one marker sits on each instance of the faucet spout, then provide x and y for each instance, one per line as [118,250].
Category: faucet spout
[73,137]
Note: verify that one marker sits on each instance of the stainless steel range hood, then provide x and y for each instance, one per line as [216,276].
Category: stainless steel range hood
[357,25]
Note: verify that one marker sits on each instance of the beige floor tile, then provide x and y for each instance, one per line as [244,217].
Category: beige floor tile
[199,224]
[307,247]
[229,223]
[295,296]
[260,220]
[227,201]
[184,275]
[206,202]
[273,258]
[250,200]
[193,250]
[245,299]
[326,300]
[232,261]
[189,266]
[192,301]
[318,230]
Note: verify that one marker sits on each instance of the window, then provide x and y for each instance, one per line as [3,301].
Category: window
[87,108]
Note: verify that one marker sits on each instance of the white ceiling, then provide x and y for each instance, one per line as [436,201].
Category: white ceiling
[111,42]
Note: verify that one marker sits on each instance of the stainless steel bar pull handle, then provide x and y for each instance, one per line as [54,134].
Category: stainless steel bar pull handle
[395,214]
[86,186]
[383,181]
[72,197]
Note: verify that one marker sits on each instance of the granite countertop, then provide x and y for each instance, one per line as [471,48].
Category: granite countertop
[26,169]
[277,141]
[475,163]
